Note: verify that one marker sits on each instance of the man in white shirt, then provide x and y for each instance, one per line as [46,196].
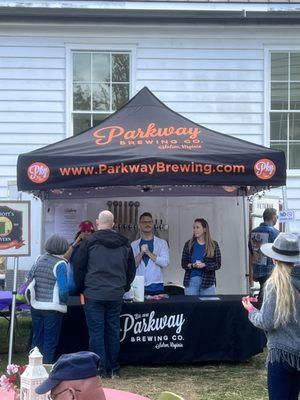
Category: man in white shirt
[151,255]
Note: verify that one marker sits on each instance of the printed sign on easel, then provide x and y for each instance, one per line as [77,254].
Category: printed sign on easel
[14,228]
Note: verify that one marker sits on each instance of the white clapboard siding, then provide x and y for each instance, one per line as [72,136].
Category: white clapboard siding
[215,53]
[226,107]
[32,96]
[199,64]
[34,63]
[204,118]
[204,86]
[21,127]
[38,138]
[213,75]
[10,159]
[37,106]
[44,51]
[31,85]
[32,73]
[210,97]
[196,75]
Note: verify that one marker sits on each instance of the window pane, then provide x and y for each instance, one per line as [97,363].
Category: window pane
[97,118]
[294,120]
[279,96]
[101,67]
[81,122]
[294,155]
[120,68]
[81,97]
[120,95]
[278,126]
[101,97]
[279,66]
[82,67]
[295,66]
[295,96]
[280,146]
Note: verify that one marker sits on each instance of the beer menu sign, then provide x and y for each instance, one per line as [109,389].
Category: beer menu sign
[14,228]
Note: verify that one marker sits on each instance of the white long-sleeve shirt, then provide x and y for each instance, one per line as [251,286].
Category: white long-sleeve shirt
[153,272]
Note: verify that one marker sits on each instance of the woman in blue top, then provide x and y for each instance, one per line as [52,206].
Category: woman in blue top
[201,257]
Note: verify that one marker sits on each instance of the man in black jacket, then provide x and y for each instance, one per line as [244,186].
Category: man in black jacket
[104,268]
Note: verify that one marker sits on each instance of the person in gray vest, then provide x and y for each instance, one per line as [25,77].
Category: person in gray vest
[48,292]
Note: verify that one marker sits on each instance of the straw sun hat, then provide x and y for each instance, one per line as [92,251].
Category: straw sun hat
[285,248]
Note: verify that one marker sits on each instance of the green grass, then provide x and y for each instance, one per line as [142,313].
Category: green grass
[240,381]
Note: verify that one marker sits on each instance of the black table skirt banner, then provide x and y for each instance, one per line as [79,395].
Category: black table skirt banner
[181,329]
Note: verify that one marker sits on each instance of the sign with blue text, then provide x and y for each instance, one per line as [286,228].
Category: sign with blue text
[286,215]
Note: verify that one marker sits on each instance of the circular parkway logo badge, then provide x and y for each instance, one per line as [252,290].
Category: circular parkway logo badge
[264,169]
[38,172]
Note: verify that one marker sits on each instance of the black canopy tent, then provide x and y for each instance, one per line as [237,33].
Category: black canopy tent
[145,147]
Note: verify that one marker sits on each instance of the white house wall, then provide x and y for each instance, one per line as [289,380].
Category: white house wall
[213,75]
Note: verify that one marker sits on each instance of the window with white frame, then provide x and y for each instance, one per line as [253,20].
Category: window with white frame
[101,85]
[285,105]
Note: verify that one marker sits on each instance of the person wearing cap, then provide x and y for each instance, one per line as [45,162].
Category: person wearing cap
[280,317]
[266,232]
[48,292]
[86,228]
[104,269]
[74,376]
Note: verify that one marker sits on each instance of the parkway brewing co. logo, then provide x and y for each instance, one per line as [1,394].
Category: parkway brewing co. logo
[163,331]
[165,137]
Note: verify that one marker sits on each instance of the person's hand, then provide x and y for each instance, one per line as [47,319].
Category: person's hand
[246,301]
[199,265]
[80,237]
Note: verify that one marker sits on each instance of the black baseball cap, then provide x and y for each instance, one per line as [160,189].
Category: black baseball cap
[68,367]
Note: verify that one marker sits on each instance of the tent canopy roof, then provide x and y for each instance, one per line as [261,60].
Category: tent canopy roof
[146,144]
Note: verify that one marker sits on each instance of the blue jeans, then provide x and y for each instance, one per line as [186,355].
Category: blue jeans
[103,321]
[283,381]
[195,289]
[46,327]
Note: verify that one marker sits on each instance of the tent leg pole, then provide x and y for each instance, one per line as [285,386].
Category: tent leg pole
[246,243]
[13,310]
[285,207]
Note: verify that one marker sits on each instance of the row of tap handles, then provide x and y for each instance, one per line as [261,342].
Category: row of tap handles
[126,215]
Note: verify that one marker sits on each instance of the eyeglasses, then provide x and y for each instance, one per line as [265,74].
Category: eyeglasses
[146,222]
[54,396]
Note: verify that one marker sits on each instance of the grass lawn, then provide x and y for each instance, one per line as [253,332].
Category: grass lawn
[197,382]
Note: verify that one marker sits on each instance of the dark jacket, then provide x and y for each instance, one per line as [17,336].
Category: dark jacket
[104,266]
[262,266]
[212,264]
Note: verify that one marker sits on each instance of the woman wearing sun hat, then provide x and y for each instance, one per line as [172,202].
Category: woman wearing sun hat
[280,317]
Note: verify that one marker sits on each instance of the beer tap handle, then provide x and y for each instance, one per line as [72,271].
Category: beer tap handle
[125,215]
[161,225]
[115,204]
[131,204]
[109,205]
[120,215]
[136,214]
